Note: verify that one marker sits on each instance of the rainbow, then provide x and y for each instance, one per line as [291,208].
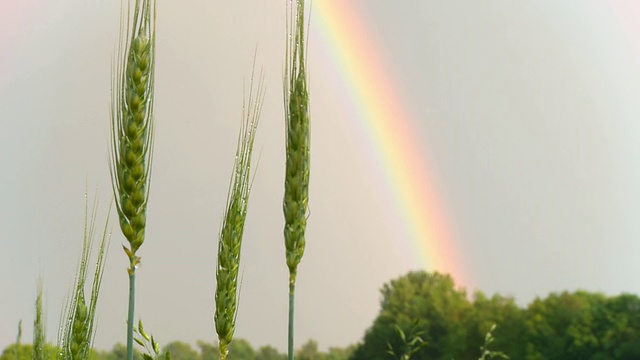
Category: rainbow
[389,132]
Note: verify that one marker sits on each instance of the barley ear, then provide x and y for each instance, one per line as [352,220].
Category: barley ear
[296,190]
[230,238]
[78,322]
[132,122]
[132,127]
[296,186]
[39,337]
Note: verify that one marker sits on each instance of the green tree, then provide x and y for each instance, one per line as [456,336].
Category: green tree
[487,312]
[309,351]
[240,349]
[95,355]
[180,351]
[410,342]
[208,351]
[118,352]
[337,353]
[618,327]
[562,326]
[430,298]
[269,353]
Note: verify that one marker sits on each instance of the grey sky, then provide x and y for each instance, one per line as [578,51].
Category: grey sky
[528,114]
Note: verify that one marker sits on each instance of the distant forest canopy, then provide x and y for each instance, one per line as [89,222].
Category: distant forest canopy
[577,325]
[563,326]
[240,350]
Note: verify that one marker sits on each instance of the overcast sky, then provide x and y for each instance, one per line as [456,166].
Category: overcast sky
[527,113]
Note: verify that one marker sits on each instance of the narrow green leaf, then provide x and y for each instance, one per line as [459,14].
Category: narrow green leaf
[155,345]
[141,330]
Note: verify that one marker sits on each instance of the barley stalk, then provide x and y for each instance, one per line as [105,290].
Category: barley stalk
[78,324]
[132,127]
[296,189]
[230,238]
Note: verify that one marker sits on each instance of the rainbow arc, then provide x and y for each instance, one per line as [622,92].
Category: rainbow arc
[390,132]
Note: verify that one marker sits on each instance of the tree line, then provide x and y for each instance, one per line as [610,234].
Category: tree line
[242,350]
[424,316]
[576,325]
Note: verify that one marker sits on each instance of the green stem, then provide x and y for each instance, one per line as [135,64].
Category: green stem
[132,298]
[292,286]
[223,351]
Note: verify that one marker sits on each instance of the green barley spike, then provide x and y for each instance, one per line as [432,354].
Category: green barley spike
[296,195]
[230,239]
[296,189]
[132,125]
[78,323]
[39,336]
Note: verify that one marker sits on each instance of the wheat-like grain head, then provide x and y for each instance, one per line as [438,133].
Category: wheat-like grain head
[39,335]
[78,324]
[296,190]
[79,342]
[132,122]
[230,239]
